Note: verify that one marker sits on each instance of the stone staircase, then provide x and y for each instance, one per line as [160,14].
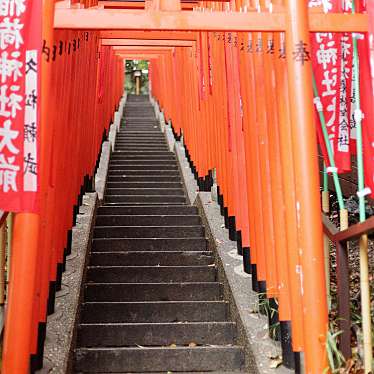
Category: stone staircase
[151,299]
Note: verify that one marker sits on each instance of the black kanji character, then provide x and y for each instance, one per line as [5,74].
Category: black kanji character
[301,53]
[30,165]
[30,132]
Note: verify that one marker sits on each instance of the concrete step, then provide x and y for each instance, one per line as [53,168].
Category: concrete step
[145,191]
[154,274]
[147,220]
[145,200]
[148,231]
[137,185]
[120,359]
[151,258]
[144,210]
[144,178]
[149,244]
[209,291]
[155,311]
[155,334]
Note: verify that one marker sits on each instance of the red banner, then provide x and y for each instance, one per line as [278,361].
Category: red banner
[332,67]
[20,68]
[370,9]
[366,51]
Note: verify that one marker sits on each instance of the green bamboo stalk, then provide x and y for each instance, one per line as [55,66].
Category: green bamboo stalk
[364,266]
[325,178]
[358,119]
[330,153]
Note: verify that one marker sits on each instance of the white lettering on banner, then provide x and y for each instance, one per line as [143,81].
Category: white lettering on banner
[10,101]
[7,135]
[30,179]
[326,4]
[343,130]
[326,56]
[11,97]
[12,7]
[10,67]
[10,33]
[329,82]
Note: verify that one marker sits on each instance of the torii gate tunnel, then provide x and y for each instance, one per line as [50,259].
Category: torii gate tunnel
[254,87]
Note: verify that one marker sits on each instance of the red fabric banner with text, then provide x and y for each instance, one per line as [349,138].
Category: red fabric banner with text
[366,50]
[20,69]
[332,67]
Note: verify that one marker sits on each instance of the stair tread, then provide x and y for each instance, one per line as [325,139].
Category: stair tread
[151,280]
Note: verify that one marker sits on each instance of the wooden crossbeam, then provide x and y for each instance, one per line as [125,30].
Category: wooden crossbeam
[147,42]
[117,19]
[149,35]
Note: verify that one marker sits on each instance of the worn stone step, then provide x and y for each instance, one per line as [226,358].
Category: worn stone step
[125,138]
[149,132]
[140,143]
[148,231]
[159,167]
[209,291]
[144,210]
[142,199]
[144,178]
[151,258]
[164,157]
[149,244]
[148,185]
[156,311]
[167,158]
[137,133]
[147,274]
[141,134]
[119,359]
[155,334]
[134,119]
[141,148]
[147,220]
[145,191]
[139,203]
[124,162]
[145,172]
[149,154]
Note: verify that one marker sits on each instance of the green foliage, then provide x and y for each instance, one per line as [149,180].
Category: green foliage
[132,65]
[334,355]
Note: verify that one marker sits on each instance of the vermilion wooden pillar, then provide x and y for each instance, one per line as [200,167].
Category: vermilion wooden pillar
[311,272]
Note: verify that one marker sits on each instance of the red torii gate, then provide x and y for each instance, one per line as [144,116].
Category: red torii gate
[166,15]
